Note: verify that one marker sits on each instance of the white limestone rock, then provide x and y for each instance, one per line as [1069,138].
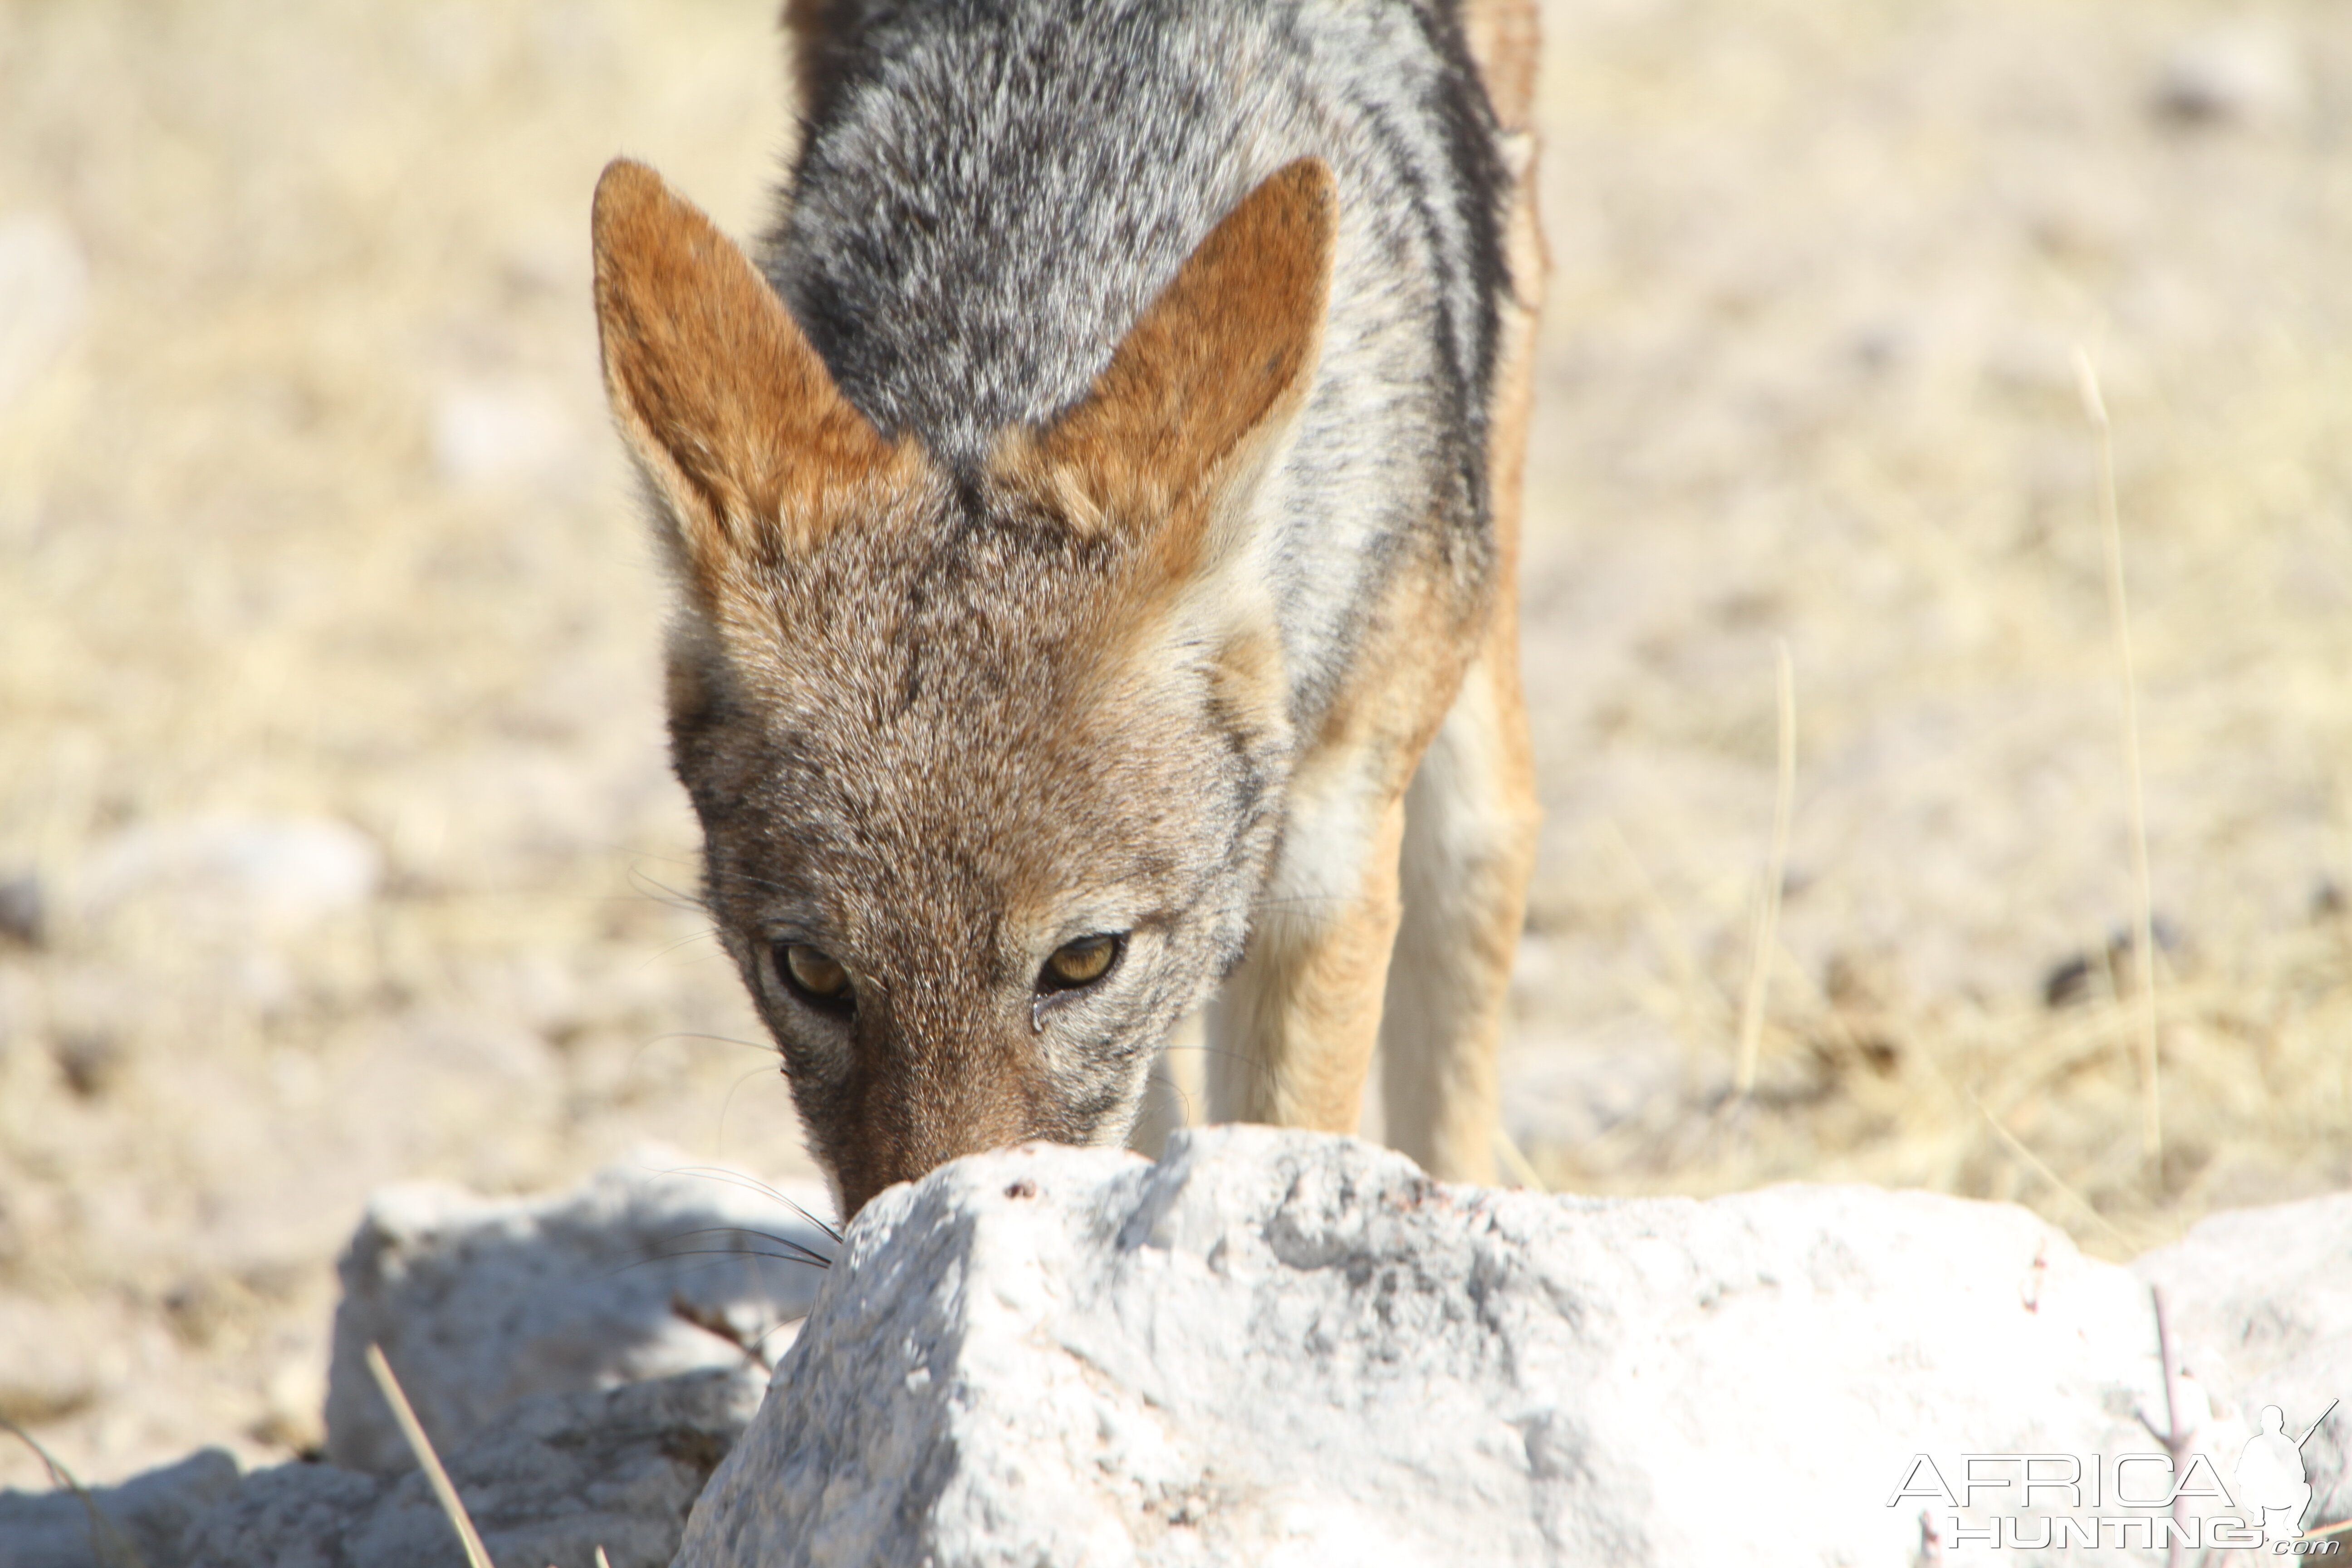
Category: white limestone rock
[651,1267]
[261,875]
[1272,1348]
[143,1520]
[1284,1348]
[2242,72]
[548,1481]
[2264,1296]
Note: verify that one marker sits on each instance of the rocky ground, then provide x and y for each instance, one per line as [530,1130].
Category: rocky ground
[336,844]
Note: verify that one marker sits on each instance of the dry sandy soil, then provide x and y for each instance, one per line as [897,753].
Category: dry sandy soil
[330,746]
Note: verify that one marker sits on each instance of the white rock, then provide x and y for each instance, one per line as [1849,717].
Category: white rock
[493,431]
[233,872]
[2264,1297]
[479,1302]
[2244,73]
[1271,1348]
[550,1481]
[1284,1348]
[22,910]
[148,1514]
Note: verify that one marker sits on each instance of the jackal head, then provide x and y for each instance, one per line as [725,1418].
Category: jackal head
[989,758]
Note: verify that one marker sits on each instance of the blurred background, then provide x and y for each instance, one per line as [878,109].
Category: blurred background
[337,842]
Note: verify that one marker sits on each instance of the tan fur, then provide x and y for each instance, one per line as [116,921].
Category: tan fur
[1293,1035]
[1467,855]
[1505,40]
[1296,1025]
[1215,368]
[718,392]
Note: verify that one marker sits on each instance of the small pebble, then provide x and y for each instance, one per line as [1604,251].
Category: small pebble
[22,912]
[2232,76]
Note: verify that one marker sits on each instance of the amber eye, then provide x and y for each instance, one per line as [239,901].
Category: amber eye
[1079,963]
[811,974]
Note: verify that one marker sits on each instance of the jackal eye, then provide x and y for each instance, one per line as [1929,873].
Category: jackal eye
[817,979]
[1079,963]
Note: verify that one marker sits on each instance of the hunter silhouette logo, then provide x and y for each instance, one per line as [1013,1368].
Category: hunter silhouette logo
[2271,1475]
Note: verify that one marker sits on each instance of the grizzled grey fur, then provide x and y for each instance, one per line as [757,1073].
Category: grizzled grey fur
[990,191]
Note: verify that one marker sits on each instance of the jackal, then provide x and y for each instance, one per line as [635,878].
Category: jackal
[1094,523]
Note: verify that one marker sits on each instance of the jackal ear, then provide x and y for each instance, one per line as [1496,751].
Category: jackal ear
[719,394]
[1207,384]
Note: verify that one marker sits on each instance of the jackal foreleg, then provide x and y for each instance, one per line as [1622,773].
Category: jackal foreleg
[1469,850]
[1291,1034]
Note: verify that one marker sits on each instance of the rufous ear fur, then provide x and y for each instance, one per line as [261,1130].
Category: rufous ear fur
[1219,364]
[725,405]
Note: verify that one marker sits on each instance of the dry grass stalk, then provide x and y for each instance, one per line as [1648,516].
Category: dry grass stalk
[2058,1183]
[108,1545]
[444,1491]
[1515,1160]
[1776,870]
[2095,408]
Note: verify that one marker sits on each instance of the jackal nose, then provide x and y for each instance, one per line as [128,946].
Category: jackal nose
[873,1177]
[912,1139]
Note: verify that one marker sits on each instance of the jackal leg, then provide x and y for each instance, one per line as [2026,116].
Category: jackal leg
[1469,850]
[1291,1034]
